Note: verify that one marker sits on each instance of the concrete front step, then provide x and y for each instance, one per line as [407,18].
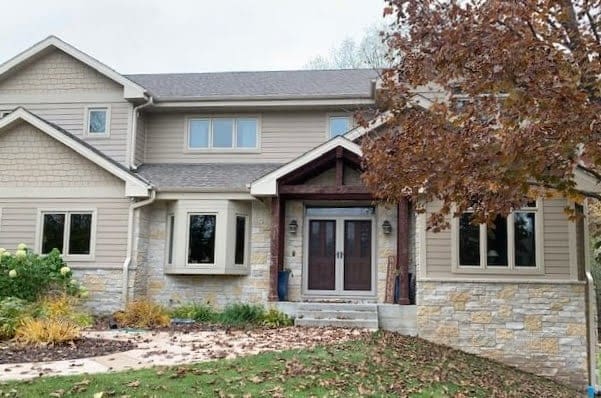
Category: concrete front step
[337,307]
[336,314]
[339,323]
[364,316]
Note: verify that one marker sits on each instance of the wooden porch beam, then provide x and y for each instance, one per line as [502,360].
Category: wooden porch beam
[277,245]
[402,248]
[339,166]
[322,189]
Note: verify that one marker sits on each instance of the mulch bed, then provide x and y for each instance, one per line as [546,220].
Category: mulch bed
[82,348]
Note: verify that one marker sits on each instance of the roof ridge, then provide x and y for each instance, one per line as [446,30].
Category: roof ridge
[255,71]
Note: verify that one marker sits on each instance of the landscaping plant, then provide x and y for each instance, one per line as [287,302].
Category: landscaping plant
[12,312]
[63,306]
[47,331]
[29,276]
[143,314]
[198,312]
[238,314]
[276,319]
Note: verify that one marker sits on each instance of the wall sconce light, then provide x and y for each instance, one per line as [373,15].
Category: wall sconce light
[293,227]
[386,227]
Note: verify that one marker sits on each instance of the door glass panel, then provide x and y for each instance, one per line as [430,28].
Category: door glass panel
[322,255]
[340,211]
[357,255]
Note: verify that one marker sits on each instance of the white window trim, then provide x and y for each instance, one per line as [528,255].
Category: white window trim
[215,245]
[234,148]
[511,268]
[86,126]
[170,243]
[329,117]
[68,257]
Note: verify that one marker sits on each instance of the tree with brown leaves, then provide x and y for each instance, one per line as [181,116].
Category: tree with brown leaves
[519,111]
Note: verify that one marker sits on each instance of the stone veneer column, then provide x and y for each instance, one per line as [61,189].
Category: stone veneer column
[539,328]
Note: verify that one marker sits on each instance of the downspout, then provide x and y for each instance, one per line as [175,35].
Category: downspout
[591,332]
[590,309]
[134,132]
[130,242]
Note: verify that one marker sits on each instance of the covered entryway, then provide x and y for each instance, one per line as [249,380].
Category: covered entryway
[325,225]
[340,245]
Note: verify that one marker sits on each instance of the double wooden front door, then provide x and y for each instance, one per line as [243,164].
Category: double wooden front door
[339,256]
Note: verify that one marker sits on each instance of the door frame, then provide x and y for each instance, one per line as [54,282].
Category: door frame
[339,291]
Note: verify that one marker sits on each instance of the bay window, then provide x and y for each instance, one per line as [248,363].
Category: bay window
[207,236]
[512,243]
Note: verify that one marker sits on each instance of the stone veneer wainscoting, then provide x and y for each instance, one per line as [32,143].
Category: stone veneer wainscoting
[538,327]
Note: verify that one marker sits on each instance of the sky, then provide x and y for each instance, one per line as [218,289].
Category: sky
[156,36]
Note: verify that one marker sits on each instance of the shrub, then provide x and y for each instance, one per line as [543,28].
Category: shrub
[47,331]
[275,319]
[12,311]
[29,276]
[196,311]
[143,314]
[65,307]
[240,314]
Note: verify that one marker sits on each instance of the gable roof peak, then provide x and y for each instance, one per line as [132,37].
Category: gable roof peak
[131,90]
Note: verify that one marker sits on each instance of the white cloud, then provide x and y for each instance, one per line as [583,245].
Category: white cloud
[138,36]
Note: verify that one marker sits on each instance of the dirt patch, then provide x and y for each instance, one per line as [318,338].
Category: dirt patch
[82,348]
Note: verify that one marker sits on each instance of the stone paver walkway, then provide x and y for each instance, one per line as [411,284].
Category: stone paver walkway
[175,348]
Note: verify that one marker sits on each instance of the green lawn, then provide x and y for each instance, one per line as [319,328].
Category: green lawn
[382,365]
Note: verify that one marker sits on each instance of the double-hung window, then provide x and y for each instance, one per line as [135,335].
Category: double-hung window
[70,232]
[511,243]
[223,133]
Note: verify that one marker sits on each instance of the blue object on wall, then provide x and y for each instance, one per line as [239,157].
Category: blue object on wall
[283,285]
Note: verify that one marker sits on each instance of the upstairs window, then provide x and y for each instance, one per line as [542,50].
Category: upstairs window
[339,125]
[510,243]
[69,232]
[223,133]
[97,121]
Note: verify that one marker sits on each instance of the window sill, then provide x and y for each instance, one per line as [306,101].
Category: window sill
[222,151]
[206,270]
[498,270]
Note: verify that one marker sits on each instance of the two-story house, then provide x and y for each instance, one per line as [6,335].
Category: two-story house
[202,187]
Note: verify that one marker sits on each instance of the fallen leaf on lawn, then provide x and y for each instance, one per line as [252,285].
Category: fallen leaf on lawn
[135,383]
[99,394]
[256,379]
[57,393]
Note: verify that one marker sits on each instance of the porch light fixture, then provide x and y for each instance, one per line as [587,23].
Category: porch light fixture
[293,227]
[386,227]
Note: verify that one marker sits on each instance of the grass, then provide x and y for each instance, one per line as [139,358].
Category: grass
[382,365]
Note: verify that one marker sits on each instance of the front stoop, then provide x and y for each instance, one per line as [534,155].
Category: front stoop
[363,316]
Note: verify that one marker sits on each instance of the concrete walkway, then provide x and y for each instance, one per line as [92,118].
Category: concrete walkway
[176,348]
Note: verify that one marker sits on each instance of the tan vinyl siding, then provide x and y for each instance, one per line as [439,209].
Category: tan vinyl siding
[20,219]
[140,149]
[284,135]
[555,243]
[71,116]
[53,174]
[56,71]
[58,88]
[31,158]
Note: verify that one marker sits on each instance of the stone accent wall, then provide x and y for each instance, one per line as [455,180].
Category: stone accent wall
[293,248]
[540,328]
[105,287]
[385,246]
[218,290]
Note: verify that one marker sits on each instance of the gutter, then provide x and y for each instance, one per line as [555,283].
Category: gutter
[130,238]
[134,128]
[591,332]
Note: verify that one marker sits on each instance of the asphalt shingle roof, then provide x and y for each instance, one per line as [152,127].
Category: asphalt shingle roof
[216,177]
[344,83]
